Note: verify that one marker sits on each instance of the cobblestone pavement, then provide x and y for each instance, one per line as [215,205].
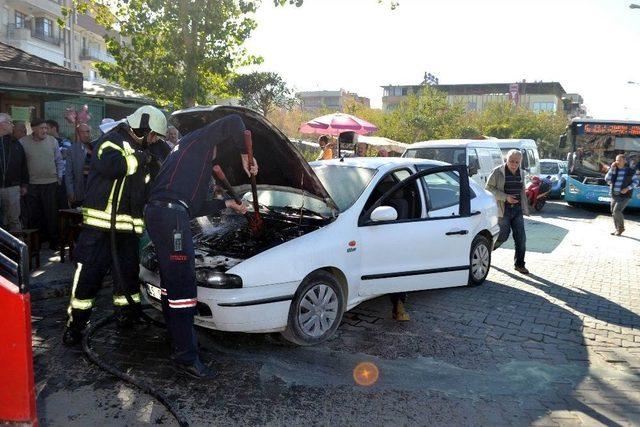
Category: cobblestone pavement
[558,347]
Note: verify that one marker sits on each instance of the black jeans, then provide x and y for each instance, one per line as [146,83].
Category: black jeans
[42,210]
[513,219]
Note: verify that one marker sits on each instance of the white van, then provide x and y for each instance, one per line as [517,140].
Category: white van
[529,149]
[481,156]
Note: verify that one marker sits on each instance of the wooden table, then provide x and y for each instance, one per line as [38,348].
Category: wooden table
[69,223]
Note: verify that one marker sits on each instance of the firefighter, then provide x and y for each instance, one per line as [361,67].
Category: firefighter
[181,192]
[118,182]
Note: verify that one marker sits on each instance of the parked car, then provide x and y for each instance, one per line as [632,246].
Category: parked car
[337,233]
[556,171]
[530,156]
[481,156]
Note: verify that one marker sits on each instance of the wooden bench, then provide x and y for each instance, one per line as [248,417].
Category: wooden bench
[69,223]
[31,237]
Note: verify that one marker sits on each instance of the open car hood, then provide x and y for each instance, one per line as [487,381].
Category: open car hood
[279,161]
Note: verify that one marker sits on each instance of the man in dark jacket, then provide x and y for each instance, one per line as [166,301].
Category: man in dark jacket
[112,220]
[78,161]
[14,176]
[181,192]
[621,179]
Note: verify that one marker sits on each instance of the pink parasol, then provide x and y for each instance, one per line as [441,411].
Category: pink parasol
[336,123]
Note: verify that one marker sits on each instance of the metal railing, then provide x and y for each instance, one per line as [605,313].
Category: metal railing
[95,55]
[14,260]
[38,33]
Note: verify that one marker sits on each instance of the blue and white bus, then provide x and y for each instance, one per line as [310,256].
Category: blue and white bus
[594,145]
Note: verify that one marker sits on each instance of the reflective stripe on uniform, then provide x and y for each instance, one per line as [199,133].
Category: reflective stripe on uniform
[147,178]
[183,303]
[121,300]
[81,304]
[76,278]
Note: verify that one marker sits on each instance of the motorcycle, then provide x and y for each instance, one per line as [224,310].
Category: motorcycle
[537,192]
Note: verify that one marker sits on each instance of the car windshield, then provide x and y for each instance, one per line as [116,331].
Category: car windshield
[275,197]
[455,156]
[549,168]
[344,183]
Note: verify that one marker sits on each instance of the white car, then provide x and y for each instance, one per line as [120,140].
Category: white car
[336,233]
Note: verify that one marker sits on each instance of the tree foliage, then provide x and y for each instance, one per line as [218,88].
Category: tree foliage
[262,91]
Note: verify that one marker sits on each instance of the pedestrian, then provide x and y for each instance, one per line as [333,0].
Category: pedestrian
[361,149]
[46,167]
[506,183]
[112,220]
[383,153]
[64,144]
[19,129]
[173,136]
[325,145]
[78,164]
[14,176]
[621,179]
[181,192]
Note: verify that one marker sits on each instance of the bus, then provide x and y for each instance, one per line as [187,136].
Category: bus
[593,146]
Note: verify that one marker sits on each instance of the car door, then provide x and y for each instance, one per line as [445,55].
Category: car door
[419,253]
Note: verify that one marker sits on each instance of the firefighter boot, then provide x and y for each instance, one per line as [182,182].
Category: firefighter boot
[128,316]
[76,324]
[399,314]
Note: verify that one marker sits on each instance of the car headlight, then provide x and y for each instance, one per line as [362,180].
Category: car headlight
[573,189]
[208,278]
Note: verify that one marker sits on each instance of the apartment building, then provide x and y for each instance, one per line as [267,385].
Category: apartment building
[32,26]
[537,96]
[333,100]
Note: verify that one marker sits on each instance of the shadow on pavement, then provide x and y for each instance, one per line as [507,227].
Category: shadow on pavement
[583,301]
[541,236]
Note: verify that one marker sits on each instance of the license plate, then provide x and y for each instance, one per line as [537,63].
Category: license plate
[154,292]
[604,199]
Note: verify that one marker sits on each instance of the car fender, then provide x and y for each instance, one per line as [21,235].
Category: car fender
[294,260]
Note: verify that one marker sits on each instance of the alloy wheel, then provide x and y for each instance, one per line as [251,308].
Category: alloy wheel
[318,310]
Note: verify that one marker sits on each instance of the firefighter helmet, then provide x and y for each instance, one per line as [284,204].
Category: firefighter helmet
[148,117]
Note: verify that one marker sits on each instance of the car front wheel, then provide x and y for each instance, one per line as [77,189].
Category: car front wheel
[479,260]
[316,310]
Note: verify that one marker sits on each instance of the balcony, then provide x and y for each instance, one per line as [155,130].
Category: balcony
[40,34]
[52,7]
[90,54]
[15,34]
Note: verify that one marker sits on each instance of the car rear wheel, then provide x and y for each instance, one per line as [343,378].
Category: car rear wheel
[479,260]
[316,310]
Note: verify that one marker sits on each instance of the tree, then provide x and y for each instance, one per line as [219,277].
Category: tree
[176,51]
[504,120]
[421,117]
[262,91]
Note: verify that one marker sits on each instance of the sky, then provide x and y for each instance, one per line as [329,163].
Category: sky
[589,46]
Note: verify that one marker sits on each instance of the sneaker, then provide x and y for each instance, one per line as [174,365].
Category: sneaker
[399,314]
[522,270]
[195,370]
[71,337]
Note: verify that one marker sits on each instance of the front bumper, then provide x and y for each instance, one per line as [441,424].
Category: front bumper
[251,309]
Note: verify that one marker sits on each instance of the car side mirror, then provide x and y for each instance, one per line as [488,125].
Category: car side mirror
[563,141]
[384,213]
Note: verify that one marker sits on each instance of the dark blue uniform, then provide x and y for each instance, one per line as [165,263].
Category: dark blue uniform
[180,192]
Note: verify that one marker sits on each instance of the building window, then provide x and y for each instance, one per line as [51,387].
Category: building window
[21,19]
[398,91]
[539,107]
[44,27]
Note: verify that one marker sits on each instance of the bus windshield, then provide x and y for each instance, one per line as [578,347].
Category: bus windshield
[596,146]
